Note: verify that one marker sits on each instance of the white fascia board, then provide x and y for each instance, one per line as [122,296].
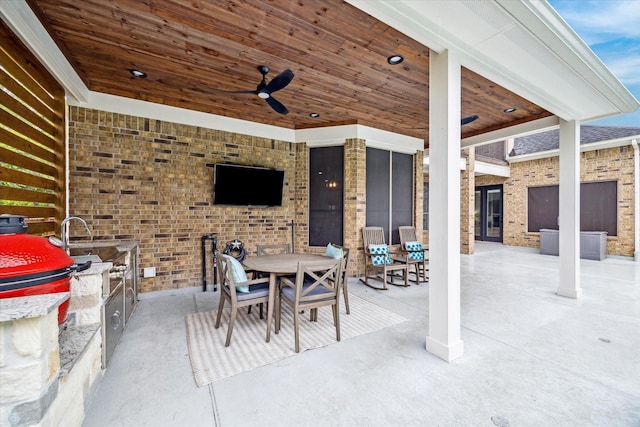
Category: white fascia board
[24,23]
[523,129]
[138,108]
[600,145]
[485,168]
[376,138]
[528,53]
[552,30]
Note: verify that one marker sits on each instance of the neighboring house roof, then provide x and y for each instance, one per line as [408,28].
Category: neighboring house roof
[549,140]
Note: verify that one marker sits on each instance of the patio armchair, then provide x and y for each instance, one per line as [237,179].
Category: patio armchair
[381,261]
[316,284]
[417,253]
[238,290]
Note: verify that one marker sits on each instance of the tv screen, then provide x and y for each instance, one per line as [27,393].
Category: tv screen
[247,185]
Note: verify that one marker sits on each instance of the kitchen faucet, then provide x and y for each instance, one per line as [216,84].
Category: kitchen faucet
[65,237]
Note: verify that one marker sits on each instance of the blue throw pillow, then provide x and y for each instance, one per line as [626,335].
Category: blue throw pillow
[381,254]
[239,275]
[415,250]
[333,252]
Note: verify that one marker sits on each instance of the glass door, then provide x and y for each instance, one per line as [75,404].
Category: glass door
[488,213]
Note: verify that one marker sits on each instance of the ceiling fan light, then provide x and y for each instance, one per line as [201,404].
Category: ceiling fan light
[395,59]
[139,74]
[263,95]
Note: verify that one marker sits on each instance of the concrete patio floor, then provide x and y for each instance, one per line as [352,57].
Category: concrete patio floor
[531,358]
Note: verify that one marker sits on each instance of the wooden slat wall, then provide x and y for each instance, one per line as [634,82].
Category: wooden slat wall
[32,154]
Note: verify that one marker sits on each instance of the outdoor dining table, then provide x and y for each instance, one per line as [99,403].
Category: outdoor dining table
[279,265]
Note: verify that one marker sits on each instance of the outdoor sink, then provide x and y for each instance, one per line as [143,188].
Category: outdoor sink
[99,253]
[83,259]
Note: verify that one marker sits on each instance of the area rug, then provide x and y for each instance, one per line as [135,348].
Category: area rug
[211,361]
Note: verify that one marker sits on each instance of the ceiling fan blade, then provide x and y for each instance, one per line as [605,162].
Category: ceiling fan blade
[279,81]
[468,120]
[277,105]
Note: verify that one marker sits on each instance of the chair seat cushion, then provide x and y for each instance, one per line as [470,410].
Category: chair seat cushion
[255,291]
[415,250]
[381,254]
[289,293]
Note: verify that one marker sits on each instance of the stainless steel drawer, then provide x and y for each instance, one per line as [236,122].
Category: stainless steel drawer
[112,323]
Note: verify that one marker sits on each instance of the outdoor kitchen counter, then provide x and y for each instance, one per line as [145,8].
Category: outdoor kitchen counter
[120,245]
[31,306]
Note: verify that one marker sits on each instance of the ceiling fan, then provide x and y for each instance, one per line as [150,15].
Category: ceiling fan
[469,119]
[264,89]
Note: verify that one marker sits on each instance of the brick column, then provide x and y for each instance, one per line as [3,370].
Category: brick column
[355,202]
[467,203]
[418,189]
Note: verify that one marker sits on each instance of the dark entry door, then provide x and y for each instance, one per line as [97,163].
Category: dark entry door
[488,213]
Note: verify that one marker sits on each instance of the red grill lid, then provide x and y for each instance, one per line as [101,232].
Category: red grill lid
[23,254]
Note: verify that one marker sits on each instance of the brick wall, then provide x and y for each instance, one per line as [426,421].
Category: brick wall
[598,165]
[152,181]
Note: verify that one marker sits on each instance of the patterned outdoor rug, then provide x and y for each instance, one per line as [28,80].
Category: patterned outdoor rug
[211,361]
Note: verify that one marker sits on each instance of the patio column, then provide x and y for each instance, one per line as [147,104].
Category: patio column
[569,224]
[444,206]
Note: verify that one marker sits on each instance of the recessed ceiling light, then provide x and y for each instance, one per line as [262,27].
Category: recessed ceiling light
[395,59]
[138,73]
[314,115]
[509,110]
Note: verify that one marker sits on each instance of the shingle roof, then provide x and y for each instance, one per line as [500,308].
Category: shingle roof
[549,140]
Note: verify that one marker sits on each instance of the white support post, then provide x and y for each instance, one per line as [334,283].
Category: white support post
[569,285]
[444,201]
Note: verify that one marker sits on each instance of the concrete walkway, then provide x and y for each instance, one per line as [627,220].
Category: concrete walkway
[531,358]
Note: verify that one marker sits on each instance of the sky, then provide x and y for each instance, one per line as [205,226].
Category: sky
[612,29]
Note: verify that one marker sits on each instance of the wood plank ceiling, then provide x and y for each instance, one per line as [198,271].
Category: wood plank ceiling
[193,51]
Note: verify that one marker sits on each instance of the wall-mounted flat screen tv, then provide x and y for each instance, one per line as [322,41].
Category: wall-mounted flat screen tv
[237,185]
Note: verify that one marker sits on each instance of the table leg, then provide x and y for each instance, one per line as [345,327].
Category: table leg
[271,304]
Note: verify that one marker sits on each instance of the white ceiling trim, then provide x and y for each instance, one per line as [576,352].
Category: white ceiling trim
[485,168]
[528,128]
[138,108]
[375,138]
[24,23]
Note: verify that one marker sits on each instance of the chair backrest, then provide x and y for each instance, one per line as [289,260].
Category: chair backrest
[318,281]
[225,277]
[407,234]
[373,236]
[345,264]
[284,248]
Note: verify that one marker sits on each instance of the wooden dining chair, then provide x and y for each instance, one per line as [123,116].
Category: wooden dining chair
[317,284]
[344,273]
[381,262]
[417,253]
[238,290]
